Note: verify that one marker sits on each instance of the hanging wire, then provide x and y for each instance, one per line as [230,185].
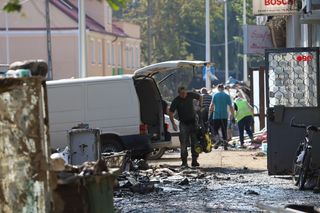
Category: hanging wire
[212,45]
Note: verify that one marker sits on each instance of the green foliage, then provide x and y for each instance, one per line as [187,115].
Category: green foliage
[15,5]
[12,6]
[116,4]
[178,30]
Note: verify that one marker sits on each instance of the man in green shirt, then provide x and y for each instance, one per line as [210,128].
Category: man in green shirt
[183,104]
[244,117]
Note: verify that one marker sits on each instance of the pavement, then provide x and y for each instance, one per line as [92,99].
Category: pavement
[229,181]
[219,159]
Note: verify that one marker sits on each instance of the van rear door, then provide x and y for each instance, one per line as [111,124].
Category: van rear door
[151,98]
[166,66]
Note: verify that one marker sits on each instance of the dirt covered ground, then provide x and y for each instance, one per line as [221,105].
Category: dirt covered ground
[227,181]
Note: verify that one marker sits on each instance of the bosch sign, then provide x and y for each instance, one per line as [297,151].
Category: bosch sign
[275,7]
[304,58]
[279,2]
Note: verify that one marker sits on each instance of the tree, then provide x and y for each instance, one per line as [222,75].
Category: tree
[167,25]
[15,5]
[253,61]
[178,30]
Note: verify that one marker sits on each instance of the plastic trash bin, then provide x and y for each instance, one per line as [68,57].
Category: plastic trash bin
[88,194]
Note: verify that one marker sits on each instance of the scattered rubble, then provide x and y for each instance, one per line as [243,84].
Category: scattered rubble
[184,182]
[260,154]
[260,138]
[169,188]
[251,192]
[57,163]
[155,179]
[208,190]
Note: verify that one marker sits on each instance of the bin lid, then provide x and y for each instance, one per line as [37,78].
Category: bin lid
[75,131]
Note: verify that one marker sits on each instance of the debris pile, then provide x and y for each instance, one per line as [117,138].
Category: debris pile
[28,68]
[259,142]
[83,188]
[156,179]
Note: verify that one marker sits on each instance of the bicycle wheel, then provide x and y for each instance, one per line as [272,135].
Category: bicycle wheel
[305,169]
[296,174]
[297,165]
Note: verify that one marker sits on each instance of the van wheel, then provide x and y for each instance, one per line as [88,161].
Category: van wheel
[111,145]
[156,154]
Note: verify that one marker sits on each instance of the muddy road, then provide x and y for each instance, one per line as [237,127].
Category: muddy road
[239,186]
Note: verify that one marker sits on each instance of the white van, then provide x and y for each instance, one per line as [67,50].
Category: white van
[127,109]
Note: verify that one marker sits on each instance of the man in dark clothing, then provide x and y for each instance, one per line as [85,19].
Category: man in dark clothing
[187,117]
[219,107]
[206,105]
[206,98]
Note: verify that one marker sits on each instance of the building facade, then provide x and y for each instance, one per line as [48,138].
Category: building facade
[113,48]
[299,28]
[303,29]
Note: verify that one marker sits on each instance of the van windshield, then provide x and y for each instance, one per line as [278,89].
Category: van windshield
[169,81]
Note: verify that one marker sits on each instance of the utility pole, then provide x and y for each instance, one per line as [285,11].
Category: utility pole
[245,58]
[226,39]
[149,31]
[7,38]
[208,53]
[49,46]
[82,45]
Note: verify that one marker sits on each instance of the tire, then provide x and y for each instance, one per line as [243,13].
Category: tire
[297,166]
[305,169]
[111,145]
[295,173]
[156,154]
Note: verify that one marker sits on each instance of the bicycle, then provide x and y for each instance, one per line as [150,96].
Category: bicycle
[302,161]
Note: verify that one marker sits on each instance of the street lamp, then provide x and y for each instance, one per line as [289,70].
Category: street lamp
[49,45]
[82,46]
[226,38]
[7,37]
[207,73]
[208,30]
[245,65]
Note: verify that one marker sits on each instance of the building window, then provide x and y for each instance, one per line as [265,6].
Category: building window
[127,57]
[132,57]
[106,53]
[99,52]
[113,55]
[120,55]
[110,15]
[109,53]
[93,52]
[137,57]
[107,15]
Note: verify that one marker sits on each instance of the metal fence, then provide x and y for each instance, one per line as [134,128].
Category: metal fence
[292,78]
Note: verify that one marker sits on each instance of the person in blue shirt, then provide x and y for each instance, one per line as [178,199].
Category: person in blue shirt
[220,104]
